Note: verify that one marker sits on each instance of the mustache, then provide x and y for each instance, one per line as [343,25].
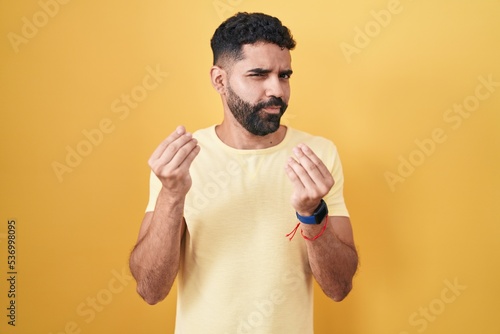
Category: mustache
[272,102]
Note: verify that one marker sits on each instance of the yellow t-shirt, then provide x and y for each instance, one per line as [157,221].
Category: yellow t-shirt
[239,273]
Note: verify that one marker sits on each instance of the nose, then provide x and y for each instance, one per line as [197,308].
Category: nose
[275,87]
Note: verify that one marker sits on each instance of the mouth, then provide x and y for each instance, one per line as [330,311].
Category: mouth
[272,109]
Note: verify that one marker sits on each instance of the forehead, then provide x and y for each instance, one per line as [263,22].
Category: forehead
[265,56]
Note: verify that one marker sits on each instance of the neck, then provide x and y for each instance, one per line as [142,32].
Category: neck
[234,135]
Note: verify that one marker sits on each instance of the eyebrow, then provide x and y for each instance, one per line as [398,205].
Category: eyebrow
[259,70]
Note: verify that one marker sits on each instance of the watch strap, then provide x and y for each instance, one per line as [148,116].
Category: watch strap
[319,214]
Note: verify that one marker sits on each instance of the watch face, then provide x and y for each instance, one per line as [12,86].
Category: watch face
[321,212]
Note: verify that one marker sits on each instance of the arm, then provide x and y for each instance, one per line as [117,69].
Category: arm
[154,261]
[332,257]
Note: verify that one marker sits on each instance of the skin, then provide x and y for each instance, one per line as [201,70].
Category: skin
[263,72]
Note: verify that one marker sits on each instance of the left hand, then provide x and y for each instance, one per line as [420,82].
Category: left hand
[310,178]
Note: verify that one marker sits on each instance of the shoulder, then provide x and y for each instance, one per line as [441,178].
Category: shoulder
[313,141]
[205,133]
[207,138]
[323,147]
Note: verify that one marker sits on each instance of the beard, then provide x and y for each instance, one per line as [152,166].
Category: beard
[252,116]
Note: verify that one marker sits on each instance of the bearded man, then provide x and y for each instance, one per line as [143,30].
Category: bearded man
[224,199]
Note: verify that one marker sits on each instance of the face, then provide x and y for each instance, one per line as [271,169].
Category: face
[258,88]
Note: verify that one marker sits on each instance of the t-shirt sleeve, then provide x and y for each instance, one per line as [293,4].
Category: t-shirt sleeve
[335,198]
[154,190]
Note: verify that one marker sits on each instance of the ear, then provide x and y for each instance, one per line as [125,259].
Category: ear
[218,77]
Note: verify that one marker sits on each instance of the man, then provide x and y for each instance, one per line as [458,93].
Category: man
[223,200]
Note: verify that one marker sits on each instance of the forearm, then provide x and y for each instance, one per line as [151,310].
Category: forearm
[154,262]
[333,262]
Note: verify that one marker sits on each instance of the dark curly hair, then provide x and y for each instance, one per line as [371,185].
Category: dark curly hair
[248,28]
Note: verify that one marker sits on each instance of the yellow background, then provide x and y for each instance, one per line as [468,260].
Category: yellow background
[439,226]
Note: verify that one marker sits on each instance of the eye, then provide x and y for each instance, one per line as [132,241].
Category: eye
[285,75]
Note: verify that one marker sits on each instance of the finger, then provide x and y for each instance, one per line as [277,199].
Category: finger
[179,131]
[314,167]
[307,151]
[171,150]
[298,175]
[291,174]
[182,153]
[308,169]
[186,163]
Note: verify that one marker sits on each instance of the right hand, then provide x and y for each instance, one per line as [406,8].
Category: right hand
[171,161]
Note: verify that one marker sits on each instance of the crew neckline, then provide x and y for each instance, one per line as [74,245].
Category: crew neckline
[267,150]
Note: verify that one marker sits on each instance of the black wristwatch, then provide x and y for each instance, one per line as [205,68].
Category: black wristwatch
[318,215]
